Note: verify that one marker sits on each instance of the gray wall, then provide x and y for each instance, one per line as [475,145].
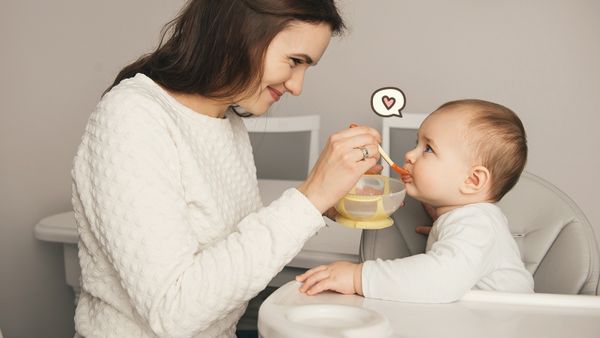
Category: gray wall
[538,57]
[56,59]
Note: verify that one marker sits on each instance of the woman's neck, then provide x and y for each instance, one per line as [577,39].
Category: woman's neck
[201,104]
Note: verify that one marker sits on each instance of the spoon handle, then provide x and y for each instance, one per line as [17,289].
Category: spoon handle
[394,166]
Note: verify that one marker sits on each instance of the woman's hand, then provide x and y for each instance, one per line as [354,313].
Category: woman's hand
[374,170]
[342,277]
[340,165]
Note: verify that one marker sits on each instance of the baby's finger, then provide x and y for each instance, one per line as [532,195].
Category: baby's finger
[310,272]
[319,287]
[314,279]
[424,230]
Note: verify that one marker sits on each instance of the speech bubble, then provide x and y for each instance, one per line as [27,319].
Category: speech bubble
[388,101]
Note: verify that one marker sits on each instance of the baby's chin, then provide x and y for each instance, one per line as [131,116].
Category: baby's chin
[411,191]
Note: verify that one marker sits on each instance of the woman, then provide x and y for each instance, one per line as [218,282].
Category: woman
[173,238]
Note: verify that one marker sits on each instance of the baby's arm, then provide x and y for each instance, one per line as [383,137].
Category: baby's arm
[342,277]
[453,265]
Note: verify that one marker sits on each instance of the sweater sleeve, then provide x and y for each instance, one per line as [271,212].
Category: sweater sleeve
[445,273]
[126,176]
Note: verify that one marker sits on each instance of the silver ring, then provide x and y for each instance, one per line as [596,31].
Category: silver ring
[365,153]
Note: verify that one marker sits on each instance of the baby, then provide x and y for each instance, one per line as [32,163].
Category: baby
[469,154]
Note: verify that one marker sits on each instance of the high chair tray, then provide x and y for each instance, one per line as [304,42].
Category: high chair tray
[477,314]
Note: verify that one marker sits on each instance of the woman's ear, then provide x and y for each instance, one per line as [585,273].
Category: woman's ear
[477,181]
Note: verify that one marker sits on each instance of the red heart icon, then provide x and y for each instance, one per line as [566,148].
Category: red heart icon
[388,102]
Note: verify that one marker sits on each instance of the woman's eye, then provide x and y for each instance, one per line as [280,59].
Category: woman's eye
[428,149]
[296,61]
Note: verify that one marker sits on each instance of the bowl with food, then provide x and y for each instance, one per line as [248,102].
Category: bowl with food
[371,202]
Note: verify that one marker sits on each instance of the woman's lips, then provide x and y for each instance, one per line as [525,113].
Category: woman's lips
[276,94]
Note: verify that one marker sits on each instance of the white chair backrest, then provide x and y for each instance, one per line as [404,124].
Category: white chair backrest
[407,121]
[291,124]
[556,240]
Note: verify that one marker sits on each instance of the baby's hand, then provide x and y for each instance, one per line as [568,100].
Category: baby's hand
[342,277]
[426,229]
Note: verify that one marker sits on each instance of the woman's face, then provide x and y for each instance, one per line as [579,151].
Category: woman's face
[288,57]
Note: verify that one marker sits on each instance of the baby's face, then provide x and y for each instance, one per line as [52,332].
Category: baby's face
[442,159]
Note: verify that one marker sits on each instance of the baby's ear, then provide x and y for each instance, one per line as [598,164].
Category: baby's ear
[477,181]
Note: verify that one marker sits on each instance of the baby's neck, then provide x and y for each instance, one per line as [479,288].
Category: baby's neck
[440,210]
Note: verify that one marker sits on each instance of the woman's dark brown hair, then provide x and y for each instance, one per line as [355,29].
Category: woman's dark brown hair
[216,48]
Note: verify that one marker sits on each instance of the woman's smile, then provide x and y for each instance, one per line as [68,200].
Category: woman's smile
[276,94]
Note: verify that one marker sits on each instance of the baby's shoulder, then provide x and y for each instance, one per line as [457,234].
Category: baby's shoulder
[479,217]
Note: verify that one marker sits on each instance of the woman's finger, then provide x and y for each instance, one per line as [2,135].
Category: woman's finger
[363,166]
[359,141]
[364,152]
[360,130]
[376,169]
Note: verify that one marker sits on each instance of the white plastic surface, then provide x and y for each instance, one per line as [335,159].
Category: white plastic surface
[478,314]
[338,317]
[283,317]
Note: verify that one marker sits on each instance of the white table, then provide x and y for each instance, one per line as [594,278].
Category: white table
[478,314]
[333,242]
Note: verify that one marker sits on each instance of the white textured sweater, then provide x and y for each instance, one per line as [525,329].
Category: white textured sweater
[468,248]
[174,239]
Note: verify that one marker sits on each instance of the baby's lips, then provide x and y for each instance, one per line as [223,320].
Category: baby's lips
[406,178]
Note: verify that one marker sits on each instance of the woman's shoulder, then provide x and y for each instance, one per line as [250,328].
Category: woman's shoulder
[136,102]
[135,91]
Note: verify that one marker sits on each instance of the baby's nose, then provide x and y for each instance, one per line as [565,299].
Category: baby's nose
[409,157]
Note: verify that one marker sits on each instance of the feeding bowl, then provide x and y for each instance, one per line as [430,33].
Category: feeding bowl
[371,202]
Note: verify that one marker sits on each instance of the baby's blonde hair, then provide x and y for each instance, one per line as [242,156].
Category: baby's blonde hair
[499,142]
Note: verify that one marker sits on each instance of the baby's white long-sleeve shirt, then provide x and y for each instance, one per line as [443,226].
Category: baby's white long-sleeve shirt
[468,248]
[174,239]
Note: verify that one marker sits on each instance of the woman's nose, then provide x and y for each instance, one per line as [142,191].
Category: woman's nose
[294,83]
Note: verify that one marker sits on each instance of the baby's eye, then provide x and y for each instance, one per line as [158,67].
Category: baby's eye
[428,149]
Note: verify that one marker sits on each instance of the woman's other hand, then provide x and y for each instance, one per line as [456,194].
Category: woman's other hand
[347,155]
